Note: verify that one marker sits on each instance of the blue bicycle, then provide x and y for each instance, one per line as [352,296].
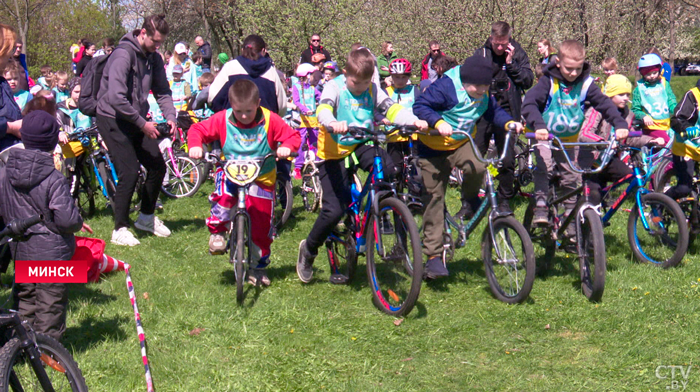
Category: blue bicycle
[379,225]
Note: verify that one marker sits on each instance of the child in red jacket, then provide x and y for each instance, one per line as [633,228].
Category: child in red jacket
[245,130]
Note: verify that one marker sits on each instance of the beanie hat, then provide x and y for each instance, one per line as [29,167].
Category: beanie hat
[476,70]
[646,70]
[617,84]
[223,58]
[39,131]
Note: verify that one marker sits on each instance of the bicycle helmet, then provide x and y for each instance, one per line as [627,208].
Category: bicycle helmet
[332,65]
[318,57]
[400,67]
[304,70]
[649,60]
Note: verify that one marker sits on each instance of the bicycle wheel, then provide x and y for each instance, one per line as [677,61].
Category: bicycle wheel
[664,177]
[666,241]
[342,257]
[107,180]
[17,374]
[310,189]
[509,260]
[542,236]
[394,259]
[188,181]
[284,202]
[83,194]
[136,196]
[238,244]
[591,254]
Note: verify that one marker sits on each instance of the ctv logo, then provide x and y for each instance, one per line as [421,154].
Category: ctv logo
[676,375]
[70,271]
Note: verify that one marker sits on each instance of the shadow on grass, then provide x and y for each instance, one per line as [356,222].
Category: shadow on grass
[80,292]
[459,271]
[92,331]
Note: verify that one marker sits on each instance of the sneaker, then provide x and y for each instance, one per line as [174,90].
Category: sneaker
[124,237]
[540,215]
[217,244]
[258,277]
[435,268]
[152,224]
[503,208]
[297,174]
[570,232]
[305,263]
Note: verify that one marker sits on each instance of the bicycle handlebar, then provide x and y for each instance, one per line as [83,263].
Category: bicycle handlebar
[605,158]
[17,227]
[213,157]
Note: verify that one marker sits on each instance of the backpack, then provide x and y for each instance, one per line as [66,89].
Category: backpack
[91,80]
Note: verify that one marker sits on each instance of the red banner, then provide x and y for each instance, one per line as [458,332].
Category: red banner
[70,271]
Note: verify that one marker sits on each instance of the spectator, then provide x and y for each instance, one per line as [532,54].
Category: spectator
[121,119]
[427,71]
[14,74]
[87,56]
[314,47]
[25,82]
[204,49]
[179,58]
[441,64]
[385,59]
[10,114]
[106,49]
[545,49]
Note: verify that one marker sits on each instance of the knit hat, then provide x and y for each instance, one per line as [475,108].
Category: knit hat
[39,131]
[617,84]
[646,70]
[177,68]
[476,70]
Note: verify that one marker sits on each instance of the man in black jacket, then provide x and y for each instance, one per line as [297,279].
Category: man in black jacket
[314,47]
[132,70]
[512,75]
[205,49]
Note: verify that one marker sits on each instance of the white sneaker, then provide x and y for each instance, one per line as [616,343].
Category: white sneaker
[152,224]
[124,237]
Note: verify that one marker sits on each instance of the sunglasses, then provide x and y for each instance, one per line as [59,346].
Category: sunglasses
[436,51]
[315,40]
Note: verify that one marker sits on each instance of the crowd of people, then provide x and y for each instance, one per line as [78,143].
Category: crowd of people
[249,106]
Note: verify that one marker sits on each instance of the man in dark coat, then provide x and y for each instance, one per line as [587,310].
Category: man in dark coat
[205,49]
[314,47]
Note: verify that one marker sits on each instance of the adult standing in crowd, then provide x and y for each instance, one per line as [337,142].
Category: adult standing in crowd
[87,56]
[512,75]
[10,113]
[546,50]
[255,65]
[426,69]
[314,47]
[121,119]
[106,49]
[385,59]
[204,49]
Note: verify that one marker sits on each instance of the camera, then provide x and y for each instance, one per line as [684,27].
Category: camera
[163,129]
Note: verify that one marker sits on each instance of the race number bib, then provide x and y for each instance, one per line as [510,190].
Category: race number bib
[242,172]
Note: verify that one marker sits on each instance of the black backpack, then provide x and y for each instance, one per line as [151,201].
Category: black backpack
[91,80]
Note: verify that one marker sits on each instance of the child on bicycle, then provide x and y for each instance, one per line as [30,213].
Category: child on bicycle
[71,118]
[404,94]
[348,100]
[653,100]
[556,104]
[455,101]
[244,130]
[686,147]
[594,129]
[304,97]
[30,185]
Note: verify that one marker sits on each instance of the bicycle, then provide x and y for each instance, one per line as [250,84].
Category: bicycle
[30,360]
[409,184]
[588,240]
[242,173]
[183,177]
[394,263]
[311,191]
[507,251]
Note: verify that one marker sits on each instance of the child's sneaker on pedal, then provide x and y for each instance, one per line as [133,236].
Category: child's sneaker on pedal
[152,224]
[258,277]
[124,237]
[540,215]
[305,263]
[435,268]
[217,244]
[297,174]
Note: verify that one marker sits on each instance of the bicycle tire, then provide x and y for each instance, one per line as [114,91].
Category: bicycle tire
[590,246]
[136,196]
[283,205]
[389,278]
[310,189]
[178,187]
[663,175]
[83,194]
[237,254]
[511,292]
[107,180]
[673,215]
[342,256]
[13,361]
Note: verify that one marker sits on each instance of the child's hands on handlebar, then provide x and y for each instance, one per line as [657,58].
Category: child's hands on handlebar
[196,152]
[542,134]
[421,125]
[339,127]
[445,129]
[283,152]
[621,134]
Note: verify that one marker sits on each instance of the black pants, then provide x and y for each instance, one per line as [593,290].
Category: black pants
[684,174]
[335,182]
[43,305]
[125,142]
[506,173]
[615,170]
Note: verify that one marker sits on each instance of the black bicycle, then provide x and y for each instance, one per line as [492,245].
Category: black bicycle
[31,361]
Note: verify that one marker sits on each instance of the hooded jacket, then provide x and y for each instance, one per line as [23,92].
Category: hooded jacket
[30,185]
[261,72]
[537,97]
[124,87]
[509,80]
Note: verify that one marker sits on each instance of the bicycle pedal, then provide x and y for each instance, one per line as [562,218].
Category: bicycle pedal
[339,279]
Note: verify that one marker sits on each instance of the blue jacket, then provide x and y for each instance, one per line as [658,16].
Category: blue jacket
[254,71]
[9,111]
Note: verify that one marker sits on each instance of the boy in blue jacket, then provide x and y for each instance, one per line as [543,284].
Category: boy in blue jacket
[454,102]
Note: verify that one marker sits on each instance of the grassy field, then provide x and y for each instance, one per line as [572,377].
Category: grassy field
[323,337]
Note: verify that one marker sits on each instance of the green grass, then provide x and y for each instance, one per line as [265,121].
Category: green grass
[681,85]
[323,337]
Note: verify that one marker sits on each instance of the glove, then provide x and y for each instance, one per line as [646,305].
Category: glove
[692,132]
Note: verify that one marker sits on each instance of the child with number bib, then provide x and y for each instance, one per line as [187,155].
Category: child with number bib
[181,89]
[71,118]
[348,100]
[304,98]
[404,94]
[653,100]
[556,104]
[246,130]
[686,147]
